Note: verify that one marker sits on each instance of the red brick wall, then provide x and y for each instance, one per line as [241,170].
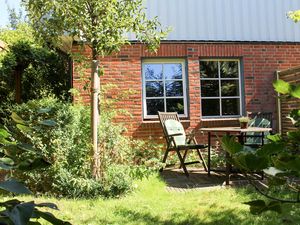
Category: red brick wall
[259,60]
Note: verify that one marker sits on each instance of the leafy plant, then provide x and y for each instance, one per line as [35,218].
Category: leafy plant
[279,159]
[244,119]
[67,144]
[16,211]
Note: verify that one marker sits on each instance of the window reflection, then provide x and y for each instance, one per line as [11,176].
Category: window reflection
[229,69]
[164,87]
[210,107]
[154,105]
[153,72]
[154,89]
[175,105]
[230,88]
[173,71]
[209,69]
[230,106]
[174,88]
[219,81]
[210,88]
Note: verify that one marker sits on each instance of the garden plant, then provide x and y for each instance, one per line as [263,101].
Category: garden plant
[279,159]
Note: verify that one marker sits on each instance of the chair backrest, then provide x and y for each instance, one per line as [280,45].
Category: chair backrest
[175,127]
[258,122]
[262,115]
[163,117]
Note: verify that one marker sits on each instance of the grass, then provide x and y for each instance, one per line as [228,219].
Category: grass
[151,204]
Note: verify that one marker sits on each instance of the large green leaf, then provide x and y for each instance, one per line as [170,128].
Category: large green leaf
[17,118]
[295,92]
[294,136]
[291,162]
[271,149]
[11,151]
[21,214]
[6,163]
[7,142]
[275,137]
[4,133]
[230,145]
[26,147]
[51,218]
[49,123]
[14,186]
[282,87]
[24,128]
[44,110]
[249,161]
[33,164]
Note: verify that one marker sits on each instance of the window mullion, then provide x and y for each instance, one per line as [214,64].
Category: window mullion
[164,85]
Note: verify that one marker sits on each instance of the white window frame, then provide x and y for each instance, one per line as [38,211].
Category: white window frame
[184,83]
[239,78]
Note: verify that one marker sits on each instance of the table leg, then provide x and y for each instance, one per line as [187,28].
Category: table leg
[208,154]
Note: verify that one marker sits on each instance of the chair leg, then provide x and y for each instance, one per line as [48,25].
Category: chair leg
[184,157]
[164,159]
[202,159]
[182,163]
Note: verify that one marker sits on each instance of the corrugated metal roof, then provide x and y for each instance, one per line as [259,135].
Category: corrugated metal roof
[227,20]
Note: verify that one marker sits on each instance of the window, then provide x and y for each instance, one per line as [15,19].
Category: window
[220,88]
[164,87]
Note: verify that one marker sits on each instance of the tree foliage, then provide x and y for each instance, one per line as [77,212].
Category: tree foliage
[279,159]
[43,70]
[103,24]
[294,15]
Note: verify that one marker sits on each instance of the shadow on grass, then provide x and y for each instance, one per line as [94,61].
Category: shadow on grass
[197,179]
[211,218]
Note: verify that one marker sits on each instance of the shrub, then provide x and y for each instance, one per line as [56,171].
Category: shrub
[67,147]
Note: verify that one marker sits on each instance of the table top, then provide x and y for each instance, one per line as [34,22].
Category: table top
[235,129]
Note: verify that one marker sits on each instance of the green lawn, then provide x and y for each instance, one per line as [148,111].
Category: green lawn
[151,204]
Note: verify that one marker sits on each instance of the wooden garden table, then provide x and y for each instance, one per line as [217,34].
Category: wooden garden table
[237,131]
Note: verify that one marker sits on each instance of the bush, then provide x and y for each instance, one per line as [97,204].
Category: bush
[67,147]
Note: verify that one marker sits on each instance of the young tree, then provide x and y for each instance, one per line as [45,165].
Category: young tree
[103,25]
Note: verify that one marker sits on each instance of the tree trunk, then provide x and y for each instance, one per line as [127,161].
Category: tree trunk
[95,88]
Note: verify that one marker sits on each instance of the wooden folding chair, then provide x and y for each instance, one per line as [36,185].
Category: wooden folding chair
[177,140]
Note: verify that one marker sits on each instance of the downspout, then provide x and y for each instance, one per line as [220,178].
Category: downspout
[279,107]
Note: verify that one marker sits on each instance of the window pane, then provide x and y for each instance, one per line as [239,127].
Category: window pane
[210,107]
[230,88]
[230,107]
[173,71]
[229,69]
[210,88]
[174,88]
[175,105]
[154,89]
[209,69]
[154,105]
[153,71]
